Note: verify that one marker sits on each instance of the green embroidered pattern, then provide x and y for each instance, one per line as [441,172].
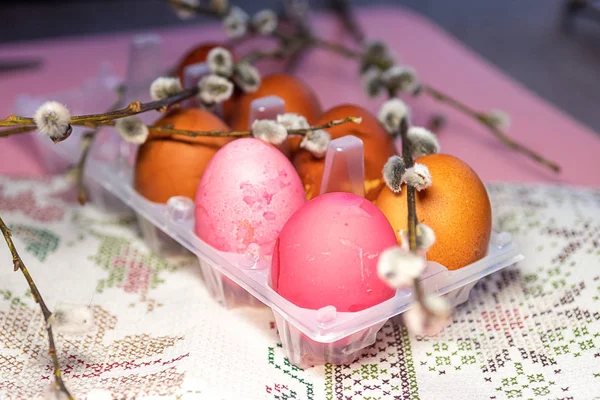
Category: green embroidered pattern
[39,242]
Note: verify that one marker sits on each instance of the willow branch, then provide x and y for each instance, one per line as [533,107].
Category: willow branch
[295,58]
[335,47]
[418,292]
[485,120]
[88,140]
[446,99]
[278,53]
[348,18]
[410,190]
[298,132]
[93,120]
[19,265]
[17,130]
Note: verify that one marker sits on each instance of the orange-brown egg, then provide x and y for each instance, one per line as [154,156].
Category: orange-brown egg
[378,148]
[171,165]
[298,96]
[456,206]
[199,54]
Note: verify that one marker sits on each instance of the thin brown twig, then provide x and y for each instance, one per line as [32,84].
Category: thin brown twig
[407,157]
[444,98]
[19,265]
[17,130]
[278,53]
[335,47]
[87,142]
[348,18]
[298,132]
[93,120]
[295,58]
[309,40]
[485,120]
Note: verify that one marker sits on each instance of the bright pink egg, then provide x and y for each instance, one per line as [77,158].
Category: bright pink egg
[246,194]
[327,254]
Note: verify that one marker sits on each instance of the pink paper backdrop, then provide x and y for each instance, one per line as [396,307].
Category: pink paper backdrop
[440,61]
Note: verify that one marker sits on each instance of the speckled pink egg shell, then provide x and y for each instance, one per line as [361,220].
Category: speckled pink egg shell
[327,254]
[246,194]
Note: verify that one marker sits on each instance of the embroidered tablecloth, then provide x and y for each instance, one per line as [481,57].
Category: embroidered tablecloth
[530,331]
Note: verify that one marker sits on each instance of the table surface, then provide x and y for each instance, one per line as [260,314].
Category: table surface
[440,61]
[529,331]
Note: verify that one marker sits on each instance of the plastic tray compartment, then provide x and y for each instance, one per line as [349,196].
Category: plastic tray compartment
[309,337]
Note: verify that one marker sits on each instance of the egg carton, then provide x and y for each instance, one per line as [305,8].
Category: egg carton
[309,337]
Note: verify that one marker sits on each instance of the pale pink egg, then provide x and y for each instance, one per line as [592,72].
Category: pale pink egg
[247,193]
[327,254]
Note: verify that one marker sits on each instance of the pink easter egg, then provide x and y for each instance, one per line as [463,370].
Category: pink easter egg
[247,193]
[327,254]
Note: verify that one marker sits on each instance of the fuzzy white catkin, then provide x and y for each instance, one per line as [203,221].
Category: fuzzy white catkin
[269,131]
[247,77]
[132,130]
[414,319]
[417,176]
[437,305]
[500,119]
[214,89]
[52,119]
[371,80]
[236,23]
[392,173]
[391,114]
[220,61]
[425,238]
[265,22]
[399,268]
[293,121]
[400,78]
[428,323]
[165,86]
[316,142]
[72,319]
[422,141]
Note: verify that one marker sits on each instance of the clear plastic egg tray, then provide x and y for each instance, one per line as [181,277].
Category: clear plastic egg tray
[309,337]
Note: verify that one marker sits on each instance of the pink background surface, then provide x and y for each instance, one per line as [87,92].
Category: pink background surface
[440,61]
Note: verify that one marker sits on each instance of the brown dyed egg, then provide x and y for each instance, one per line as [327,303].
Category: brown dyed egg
[199,54]
[171,165]
[298,96]
[456,206]
[378,148]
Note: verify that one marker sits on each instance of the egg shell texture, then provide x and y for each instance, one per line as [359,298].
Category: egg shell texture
[456,207]
[171,165]
[327,254]
[246,195]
